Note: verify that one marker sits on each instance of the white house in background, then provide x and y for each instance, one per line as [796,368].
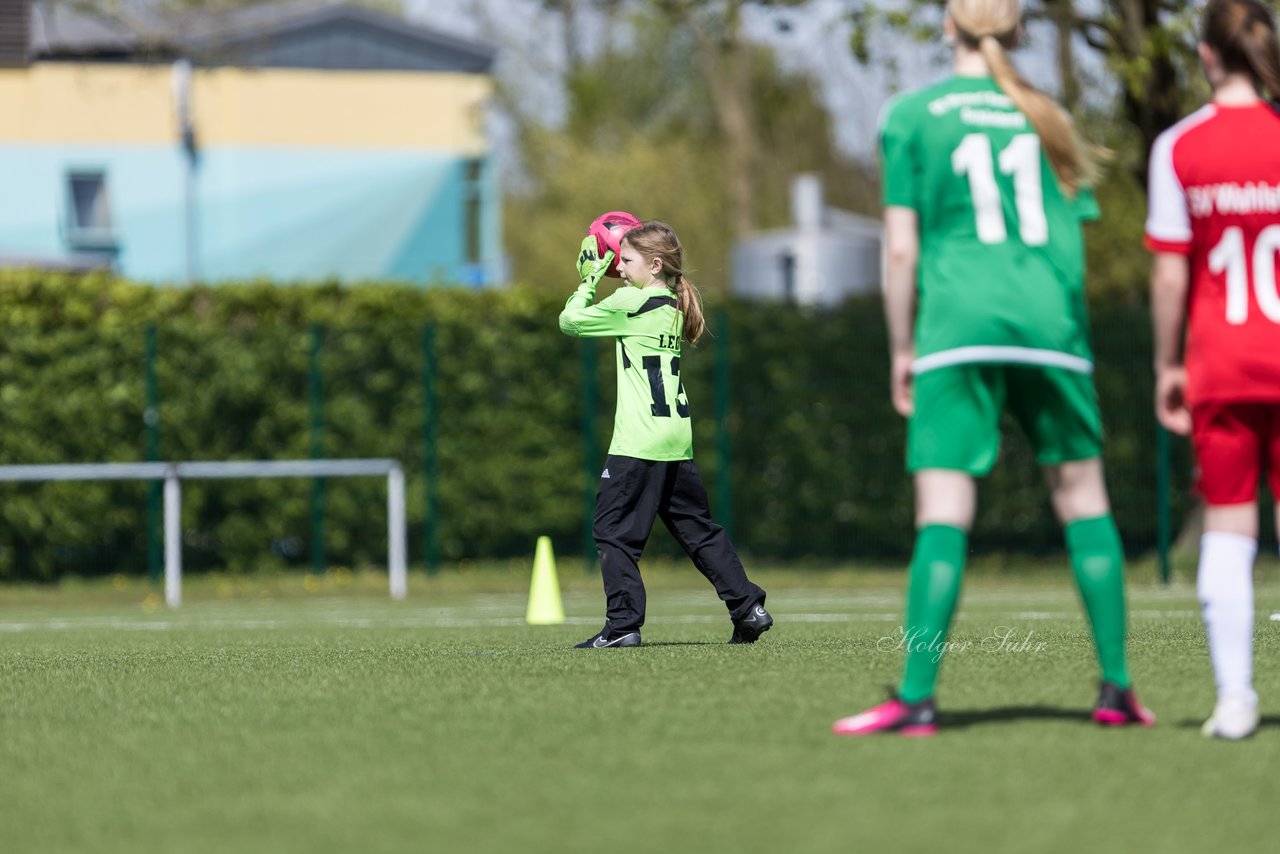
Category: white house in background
[825,256]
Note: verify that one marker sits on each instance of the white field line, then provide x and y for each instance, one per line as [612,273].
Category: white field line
[442,619]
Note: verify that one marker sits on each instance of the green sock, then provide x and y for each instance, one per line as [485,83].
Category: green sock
[933,587]
[1098,561]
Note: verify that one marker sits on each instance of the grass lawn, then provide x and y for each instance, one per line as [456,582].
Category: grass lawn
[296,714]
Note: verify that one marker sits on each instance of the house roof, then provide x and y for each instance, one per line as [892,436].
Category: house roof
[286,34]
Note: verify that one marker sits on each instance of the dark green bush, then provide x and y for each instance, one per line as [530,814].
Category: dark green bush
[816,448]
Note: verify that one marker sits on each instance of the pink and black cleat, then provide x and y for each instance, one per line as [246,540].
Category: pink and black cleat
[909,719]
[1119,707]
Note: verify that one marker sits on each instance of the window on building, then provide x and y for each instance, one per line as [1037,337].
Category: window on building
[89,223]
[472,210]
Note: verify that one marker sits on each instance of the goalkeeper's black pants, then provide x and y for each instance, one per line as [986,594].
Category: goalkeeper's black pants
[632,493]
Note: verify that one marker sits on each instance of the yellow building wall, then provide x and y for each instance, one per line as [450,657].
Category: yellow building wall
[131,104]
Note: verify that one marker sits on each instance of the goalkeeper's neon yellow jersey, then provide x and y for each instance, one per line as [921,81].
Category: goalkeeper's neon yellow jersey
[652,417]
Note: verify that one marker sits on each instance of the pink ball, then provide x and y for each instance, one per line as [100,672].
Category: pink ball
[608,230]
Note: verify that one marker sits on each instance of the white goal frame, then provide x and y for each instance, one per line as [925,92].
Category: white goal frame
[173,474]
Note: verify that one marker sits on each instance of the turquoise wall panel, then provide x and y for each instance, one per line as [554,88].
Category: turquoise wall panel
[289,215]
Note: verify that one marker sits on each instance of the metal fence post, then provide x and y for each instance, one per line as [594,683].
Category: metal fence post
[1164,514]
[724,480]
[315,386]
[430,495]
[397,562]
[172,537]
[151,425]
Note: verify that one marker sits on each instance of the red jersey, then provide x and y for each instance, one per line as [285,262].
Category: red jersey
[1215,197]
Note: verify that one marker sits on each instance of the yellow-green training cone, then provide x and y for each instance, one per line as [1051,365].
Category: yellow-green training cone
[545,607]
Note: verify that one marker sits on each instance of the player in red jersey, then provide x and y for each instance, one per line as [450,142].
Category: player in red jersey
[1214,226]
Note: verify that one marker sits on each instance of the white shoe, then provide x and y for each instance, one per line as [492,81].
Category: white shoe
[1234,717]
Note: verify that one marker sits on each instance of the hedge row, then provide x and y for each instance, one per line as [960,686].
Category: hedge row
[816,449]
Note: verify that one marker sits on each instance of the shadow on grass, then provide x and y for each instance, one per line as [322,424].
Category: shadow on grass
[682,643]
[962,719]
[1195,723]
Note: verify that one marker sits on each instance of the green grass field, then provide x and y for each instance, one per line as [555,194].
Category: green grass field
[315,715]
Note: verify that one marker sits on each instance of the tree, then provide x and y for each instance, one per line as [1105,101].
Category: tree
[724,60]
[1147,47]
[643,131]
[1144,52]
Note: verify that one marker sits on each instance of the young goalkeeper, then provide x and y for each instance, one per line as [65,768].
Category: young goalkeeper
[650,470]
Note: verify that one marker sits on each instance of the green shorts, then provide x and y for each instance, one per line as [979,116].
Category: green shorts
[956,422]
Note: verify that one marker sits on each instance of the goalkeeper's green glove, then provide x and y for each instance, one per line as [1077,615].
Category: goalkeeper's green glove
[591,267]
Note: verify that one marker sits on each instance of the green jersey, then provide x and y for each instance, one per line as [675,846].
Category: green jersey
[652,418]
[1001,272]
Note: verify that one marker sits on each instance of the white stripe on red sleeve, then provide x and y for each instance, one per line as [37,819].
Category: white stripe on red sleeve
[1168,226]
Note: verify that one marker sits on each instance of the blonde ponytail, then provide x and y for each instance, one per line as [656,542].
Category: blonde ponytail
[991,27]
[1074,160]
[656,239]
[689,301]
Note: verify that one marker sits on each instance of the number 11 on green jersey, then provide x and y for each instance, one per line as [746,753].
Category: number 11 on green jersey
[1021,159]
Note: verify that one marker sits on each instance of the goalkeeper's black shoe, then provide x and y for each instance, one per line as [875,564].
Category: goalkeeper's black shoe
[603,640]
[752,626]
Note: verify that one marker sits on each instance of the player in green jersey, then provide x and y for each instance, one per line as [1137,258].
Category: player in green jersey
[985,185]
[650,470]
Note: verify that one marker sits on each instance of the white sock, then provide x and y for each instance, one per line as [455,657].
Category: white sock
[1224,583]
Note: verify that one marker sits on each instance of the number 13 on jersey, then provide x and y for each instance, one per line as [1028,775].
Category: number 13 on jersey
[661,408]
